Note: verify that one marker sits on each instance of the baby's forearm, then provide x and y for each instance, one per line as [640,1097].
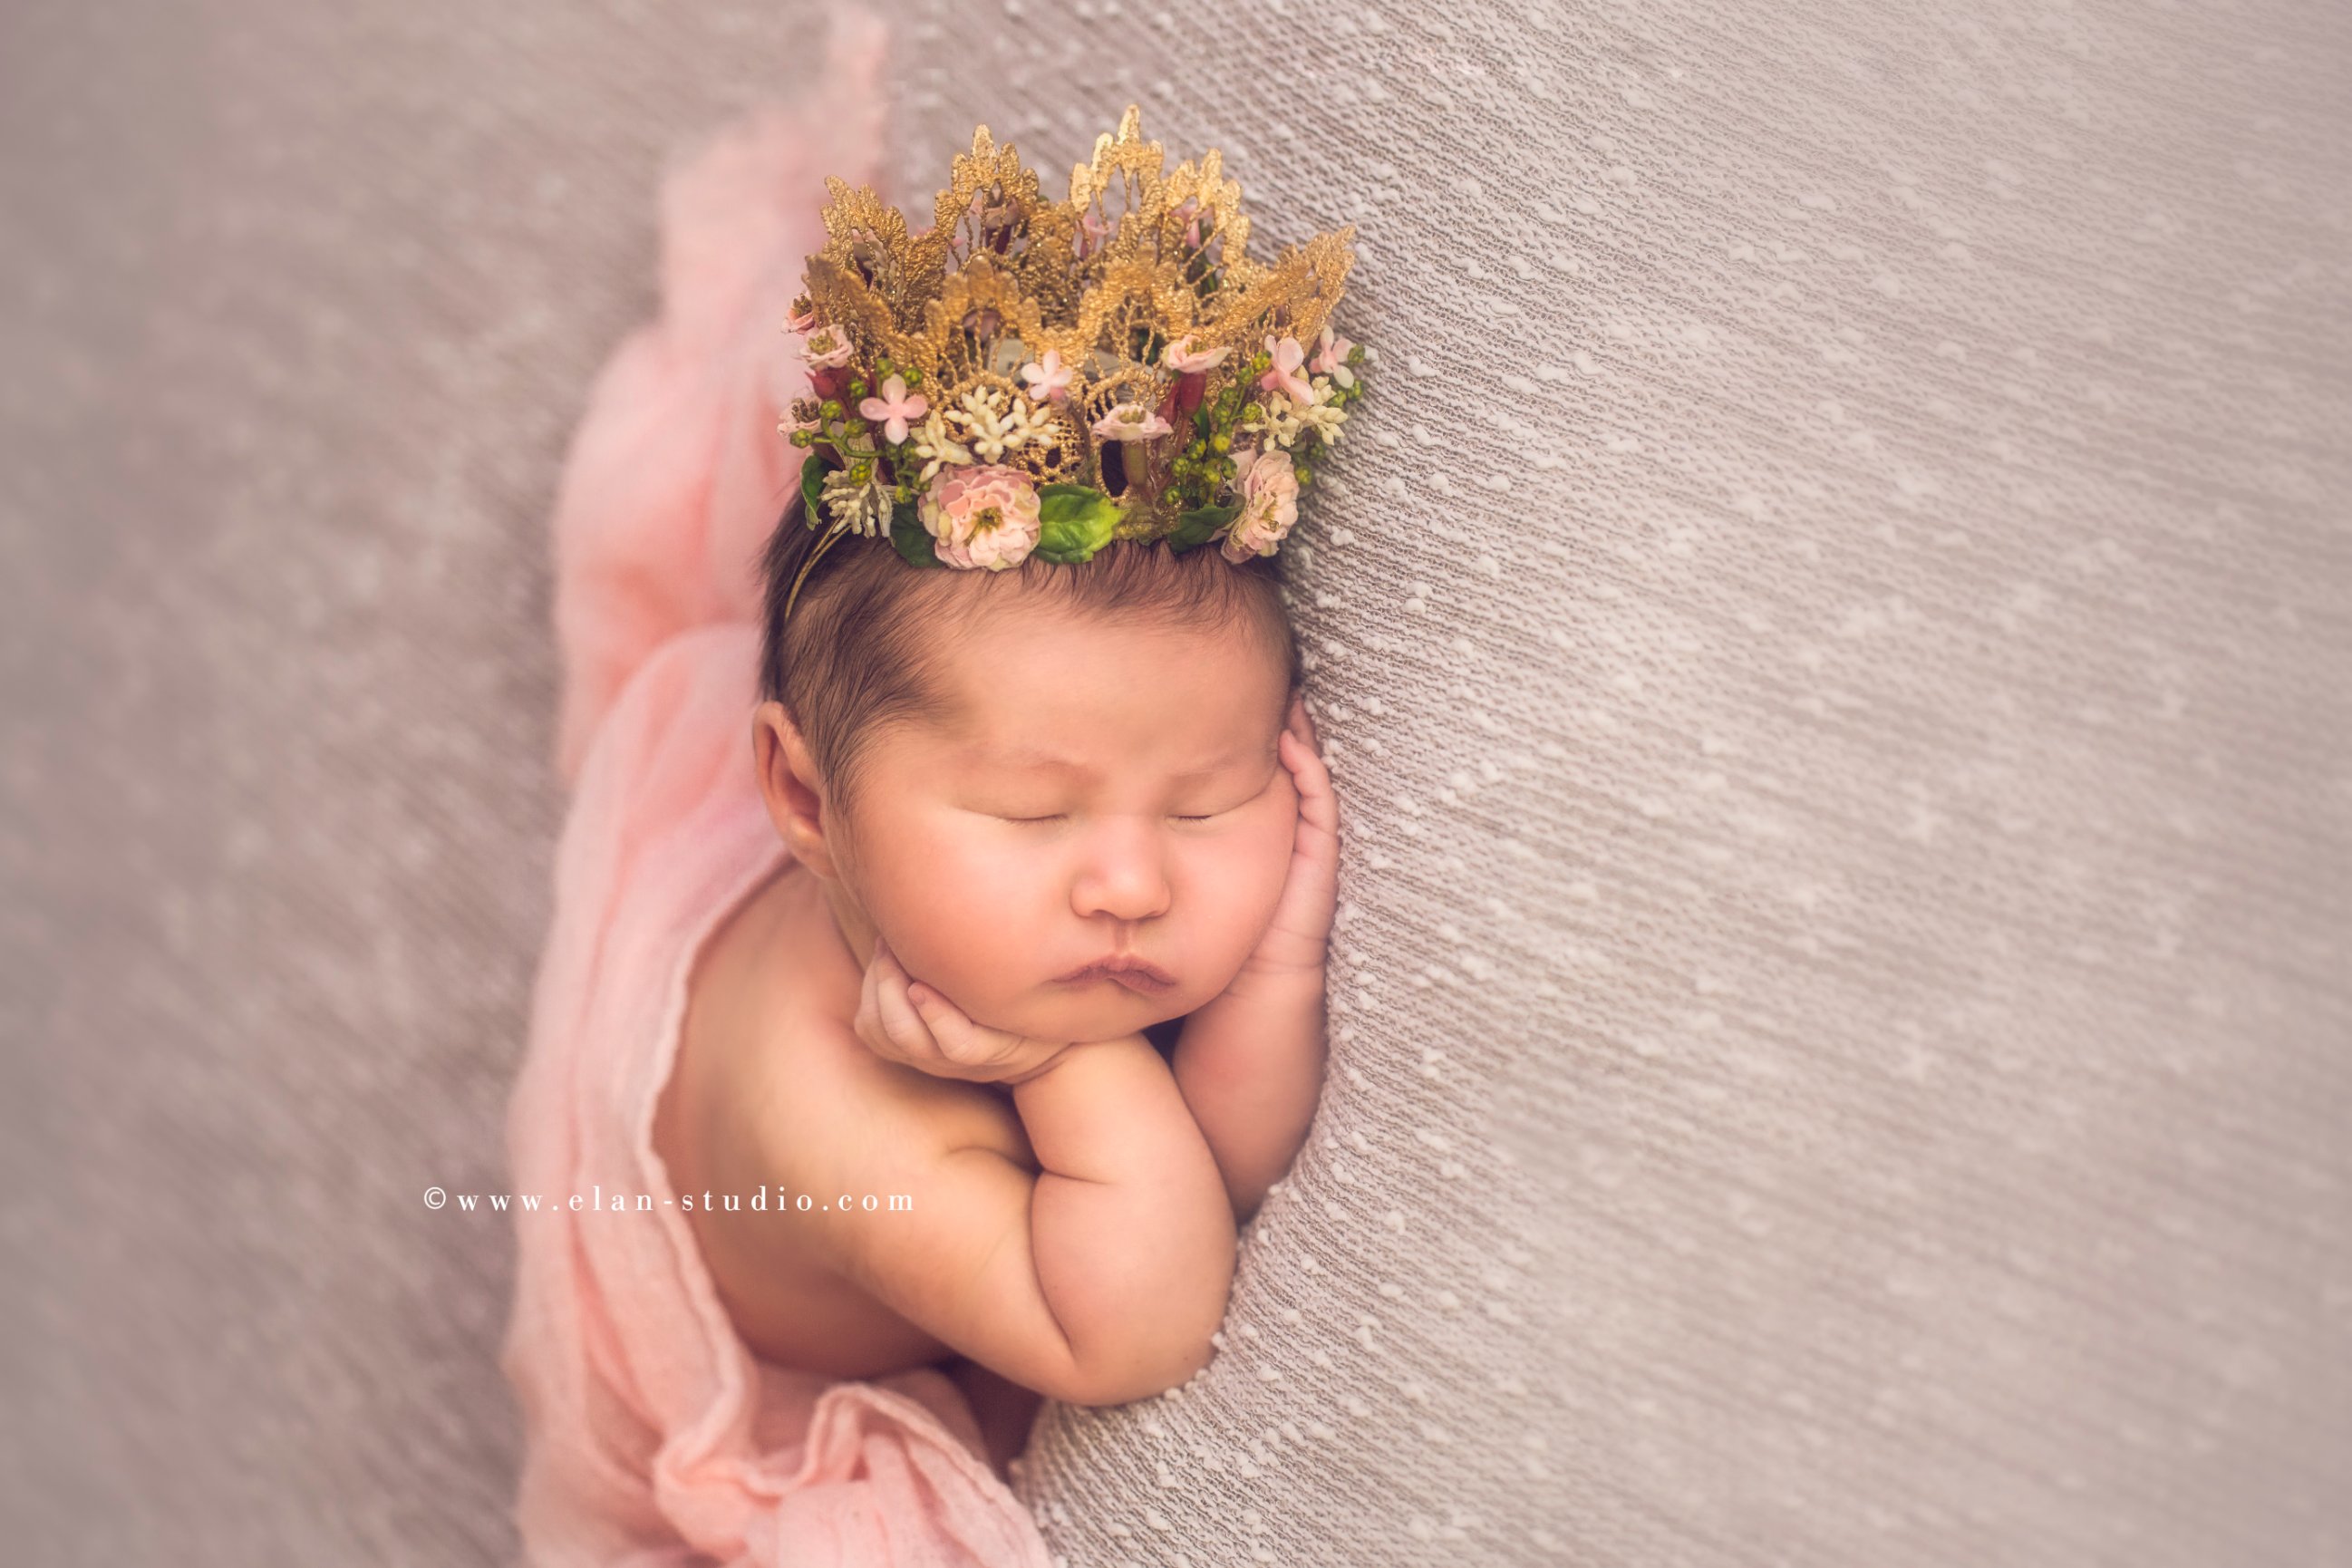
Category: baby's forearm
[1129,1230]
[1251,1070]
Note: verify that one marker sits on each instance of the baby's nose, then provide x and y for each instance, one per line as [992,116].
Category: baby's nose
[1126,878]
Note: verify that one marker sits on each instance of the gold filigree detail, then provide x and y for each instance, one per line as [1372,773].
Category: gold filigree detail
[1107,279]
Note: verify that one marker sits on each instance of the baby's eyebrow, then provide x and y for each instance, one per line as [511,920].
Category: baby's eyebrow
[1026,759]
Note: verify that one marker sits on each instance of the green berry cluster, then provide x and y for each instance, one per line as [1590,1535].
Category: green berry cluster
[1204,467]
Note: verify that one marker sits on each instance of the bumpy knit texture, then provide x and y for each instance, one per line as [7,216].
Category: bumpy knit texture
[1832,633]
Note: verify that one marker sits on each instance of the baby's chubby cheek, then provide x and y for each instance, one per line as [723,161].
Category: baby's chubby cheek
[1249,883]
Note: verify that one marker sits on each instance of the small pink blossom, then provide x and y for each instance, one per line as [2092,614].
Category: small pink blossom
[1190,211]
[980,515]
[1048,377]
[894,408]
[1131,422]
[1284,377]
[1269,496]
[1092,231]
[1331,358]
[1181,357]
[826,348]
[800,320]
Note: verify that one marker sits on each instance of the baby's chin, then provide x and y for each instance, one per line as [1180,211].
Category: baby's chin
[1103,1010]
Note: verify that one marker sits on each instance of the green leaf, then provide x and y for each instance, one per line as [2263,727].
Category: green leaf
[1073,522]
[1196,528]
[913,540]
[813,474]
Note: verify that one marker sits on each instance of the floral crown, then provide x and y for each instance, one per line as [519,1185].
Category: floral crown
[1032,377]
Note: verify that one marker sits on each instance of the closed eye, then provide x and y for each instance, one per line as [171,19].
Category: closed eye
[1028,821]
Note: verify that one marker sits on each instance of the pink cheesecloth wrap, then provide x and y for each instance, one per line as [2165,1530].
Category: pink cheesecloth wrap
[652,1435]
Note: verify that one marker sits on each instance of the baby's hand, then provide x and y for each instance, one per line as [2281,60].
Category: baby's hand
[902,1021]
[1295,944]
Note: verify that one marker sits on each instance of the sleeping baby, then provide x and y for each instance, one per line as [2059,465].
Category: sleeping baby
[920,1064]
[1034,1015]
[1048,814]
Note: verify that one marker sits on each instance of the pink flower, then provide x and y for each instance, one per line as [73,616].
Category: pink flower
[894,408]
[1092,232]
[1131,422]
[826,348]
[1189,211]
[801,321]
[1181,357]
[1269,493]
[980,515]
[1331,358]
[1284,377]
[1048,377]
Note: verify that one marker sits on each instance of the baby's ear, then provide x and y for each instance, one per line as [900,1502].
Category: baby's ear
[787,774]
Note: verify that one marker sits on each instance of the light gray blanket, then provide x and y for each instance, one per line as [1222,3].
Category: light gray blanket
[1833,632]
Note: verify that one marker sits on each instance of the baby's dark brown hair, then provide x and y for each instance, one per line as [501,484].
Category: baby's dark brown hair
[860,652]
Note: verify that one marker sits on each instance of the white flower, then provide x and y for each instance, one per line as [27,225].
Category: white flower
[1131,422]
[1277,423]
[826,348]
[1285,421]
[994,424]
[863,505]
[932,444]
[1324,415]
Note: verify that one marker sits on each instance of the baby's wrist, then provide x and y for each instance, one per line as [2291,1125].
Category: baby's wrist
[1063,1055]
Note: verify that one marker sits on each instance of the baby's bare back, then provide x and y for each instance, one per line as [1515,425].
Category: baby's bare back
[772,1091]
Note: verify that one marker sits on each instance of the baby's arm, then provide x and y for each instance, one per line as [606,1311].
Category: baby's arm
[1251,1069]
[1096,1281]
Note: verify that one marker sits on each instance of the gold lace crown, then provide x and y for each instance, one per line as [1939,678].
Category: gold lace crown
[1027,376]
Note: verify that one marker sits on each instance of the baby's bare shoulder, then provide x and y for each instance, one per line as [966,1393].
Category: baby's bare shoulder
[773,1085]
[835,1111]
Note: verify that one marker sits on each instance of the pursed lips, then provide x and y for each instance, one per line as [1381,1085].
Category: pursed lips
[1135,974]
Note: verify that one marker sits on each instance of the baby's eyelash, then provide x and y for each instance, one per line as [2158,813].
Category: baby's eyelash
[1026,821]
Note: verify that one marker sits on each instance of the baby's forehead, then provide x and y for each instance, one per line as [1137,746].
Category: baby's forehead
[1086,733]
[1034,687]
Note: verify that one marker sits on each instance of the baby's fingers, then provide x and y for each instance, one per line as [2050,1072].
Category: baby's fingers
[895,1009]
[959,1039]
[1318,807]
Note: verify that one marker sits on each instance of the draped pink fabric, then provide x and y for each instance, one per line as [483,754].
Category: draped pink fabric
[652,1435]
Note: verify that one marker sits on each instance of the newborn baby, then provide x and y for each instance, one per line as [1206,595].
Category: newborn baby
[1034,1015]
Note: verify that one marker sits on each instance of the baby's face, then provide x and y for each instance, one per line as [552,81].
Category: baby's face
[1097,790]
